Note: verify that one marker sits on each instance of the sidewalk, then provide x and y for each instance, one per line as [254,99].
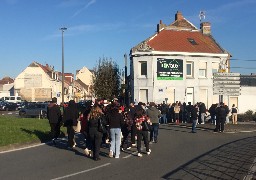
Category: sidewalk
[228,128]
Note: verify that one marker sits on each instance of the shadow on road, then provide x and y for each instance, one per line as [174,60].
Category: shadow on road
[229,161]
[42,136]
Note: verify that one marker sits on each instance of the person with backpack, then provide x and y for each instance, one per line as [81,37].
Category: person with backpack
[234,114]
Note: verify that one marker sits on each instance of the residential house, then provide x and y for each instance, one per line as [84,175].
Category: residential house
[83,84]
[40,83]
[6,87]
[177,64]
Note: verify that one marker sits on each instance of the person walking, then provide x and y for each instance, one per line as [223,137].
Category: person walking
[55,118]
[115,121]
[234,114]
[126,130]
[153,114]
[94,118]
[193,117]
[70,118]
[141,132]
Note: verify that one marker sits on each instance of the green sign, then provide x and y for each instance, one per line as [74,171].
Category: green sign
[169,69]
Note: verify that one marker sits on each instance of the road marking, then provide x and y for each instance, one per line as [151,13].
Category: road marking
[81,172]
[19,149]
[125,157]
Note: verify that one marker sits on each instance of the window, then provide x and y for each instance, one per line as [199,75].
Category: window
[215,67]
[202,69]
[192,41]
[202,72]
[189,69]
[143,68]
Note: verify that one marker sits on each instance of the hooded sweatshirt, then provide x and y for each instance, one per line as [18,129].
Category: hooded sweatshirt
[153,113]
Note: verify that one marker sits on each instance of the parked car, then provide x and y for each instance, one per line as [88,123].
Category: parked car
[8,106]
[34,110]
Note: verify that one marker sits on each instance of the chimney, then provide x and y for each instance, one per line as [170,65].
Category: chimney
[160,26]
[205,28]
[178,16]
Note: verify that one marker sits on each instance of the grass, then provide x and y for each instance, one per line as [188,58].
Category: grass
[15,130]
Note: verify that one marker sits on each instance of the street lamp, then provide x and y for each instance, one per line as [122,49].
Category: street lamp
[62,91]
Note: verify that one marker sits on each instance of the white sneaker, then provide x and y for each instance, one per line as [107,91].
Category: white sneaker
[86,152]
[133,145]
[110,154]
[139,155]
[149,151]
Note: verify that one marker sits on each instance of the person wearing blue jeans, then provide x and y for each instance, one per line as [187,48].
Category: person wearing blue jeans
[115,121]
[153,114]
[115,134]
[154,132]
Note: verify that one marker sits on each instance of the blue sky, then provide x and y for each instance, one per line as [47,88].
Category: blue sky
[110,28]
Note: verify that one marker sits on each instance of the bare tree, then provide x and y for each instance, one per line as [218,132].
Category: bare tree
[106,79]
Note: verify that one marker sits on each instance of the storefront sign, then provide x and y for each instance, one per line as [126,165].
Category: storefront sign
[169,69]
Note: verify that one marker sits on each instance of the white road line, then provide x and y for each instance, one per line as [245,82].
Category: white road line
[28,147]
[81,172]
[36,145]
[125,157]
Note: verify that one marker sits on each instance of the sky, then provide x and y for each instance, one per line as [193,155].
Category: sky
[30,30]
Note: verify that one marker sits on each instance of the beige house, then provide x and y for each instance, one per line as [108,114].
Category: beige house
[38,83]
[82,84]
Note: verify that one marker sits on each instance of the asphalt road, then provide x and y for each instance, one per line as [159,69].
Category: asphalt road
[179,154]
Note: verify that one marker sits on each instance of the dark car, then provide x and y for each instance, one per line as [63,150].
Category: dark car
[34,110]
[8,106]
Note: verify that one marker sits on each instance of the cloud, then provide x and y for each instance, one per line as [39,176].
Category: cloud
[91,2]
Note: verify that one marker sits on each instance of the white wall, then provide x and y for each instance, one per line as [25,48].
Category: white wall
[247,99]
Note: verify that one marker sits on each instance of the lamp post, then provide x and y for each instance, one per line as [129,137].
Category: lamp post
[62,91]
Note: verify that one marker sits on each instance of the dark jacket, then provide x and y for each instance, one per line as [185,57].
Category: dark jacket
[193,113]
[115,119]
[53,113]
[221,112]
[70,114]
[153,113]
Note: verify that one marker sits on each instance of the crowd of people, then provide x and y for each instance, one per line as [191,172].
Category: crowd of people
[125,127]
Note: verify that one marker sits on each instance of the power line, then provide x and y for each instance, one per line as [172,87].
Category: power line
[243,59]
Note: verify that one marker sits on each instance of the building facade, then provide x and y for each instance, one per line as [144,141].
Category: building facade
[177,64]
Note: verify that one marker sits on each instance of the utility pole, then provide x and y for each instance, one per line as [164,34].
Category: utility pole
[125,79]
[62,91]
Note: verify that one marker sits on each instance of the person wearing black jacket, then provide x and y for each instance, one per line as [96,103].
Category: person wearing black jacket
[221,113]
[54,117]
[193,117]
[115,121]
[70,117]
[95,135]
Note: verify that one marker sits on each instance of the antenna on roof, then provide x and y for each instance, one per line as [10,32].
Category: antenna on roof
[201,15]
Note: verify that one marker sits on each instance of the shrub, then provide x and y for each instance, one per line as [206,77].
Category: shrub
[247,116]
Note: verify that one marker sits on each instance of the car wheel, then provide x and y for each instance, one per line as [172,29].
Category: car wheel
[22,114]
[44,115]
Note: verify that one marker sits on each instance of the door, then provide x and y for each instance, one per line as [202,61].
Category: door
[190,95]
[143,96]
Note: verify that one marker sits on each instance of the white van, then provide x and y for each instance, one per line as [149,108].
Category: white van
[14,99]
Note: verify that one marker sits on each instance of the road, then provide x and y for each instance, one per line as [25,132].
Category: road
[179,154]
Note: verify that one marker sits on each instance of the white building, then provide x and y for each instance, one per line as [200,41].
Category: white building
[177,64]
[38,83]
